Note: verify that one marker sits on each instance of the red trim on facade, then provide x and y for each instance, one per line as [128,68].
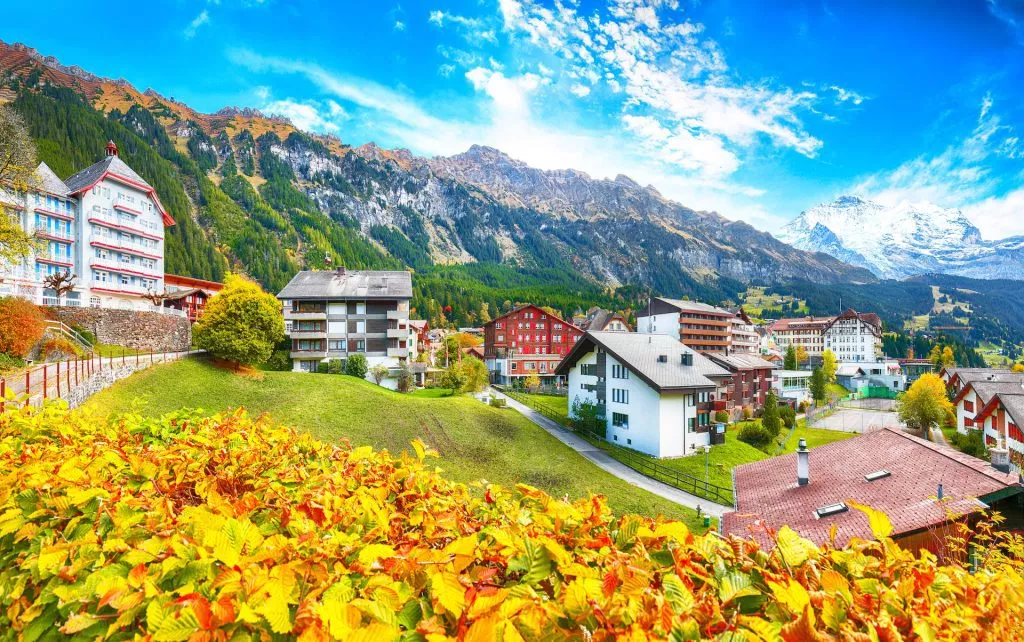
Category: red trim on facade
[96,266]
[51,237]
[192,282]
[116,248]
[42,259]
[112,291]
[124,208]
[115,226]
[41,210]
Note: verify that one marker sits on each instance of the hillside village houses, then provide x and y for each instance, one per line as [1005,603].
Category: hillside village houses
[600,320]
[332,314]
[655,393]
[104,225]
[854,336]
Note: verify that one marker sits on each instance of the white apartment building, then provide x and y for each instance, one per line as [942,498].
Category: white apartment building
[332,314]
[803,332]
[656,394]
[745,339]
[105,225]
[854,336]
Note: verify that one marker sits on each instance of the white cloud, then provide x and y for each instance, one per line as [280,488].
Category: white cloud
[844,95]
[310,115]
[446,69]
[202,19]
[960,176]
[472,29]
[580,90]
[399,25]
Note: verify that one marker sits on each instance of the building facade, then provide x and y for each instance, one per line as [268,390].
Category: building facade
[745,339]
[527,341]
[104,225]
[854,336]
[600,320]
[333,314]
[806,332]
[189,294]
[747,386]
[703,327]
[654,394]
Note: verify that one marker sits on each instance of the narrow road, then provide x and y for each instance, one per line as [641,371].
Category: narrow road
[610,465]
[937,436]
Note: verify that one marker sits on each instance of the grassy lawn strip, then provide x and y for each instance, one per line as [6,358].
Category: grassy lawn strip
[549,405]
[474,441]
[815,437]
[111,350]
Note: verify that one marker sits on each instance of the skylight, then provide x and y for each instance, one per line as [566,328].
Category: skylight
[831,509]
[878,474]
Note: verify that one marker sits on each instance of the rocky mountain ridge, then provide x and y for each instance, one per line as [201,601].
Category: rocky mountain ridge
[904,240]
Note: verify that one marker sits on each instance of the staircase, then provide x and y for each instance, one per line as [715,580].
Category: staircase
[61,329]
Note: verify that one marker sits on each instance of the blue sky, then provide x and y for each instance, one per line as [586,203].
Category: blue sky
[757,112]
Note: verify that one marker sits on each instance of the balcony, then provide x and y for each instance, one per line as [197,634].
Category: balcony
[130,248]
[127,268]
[61,215]
[307,334]
[305,315]
[308,354]
[124,208]
[398,352]
[398,333]
[55,235]
[397,314]
[122,226]
[62,261]
[684,330]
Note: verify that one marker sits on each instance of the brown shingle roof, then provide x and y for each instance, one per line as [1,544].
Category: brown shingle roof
[768,489]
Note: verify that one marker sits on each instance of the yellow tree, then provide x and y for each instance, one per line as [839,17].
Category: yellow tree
[1018,367]
[948,359]
[801,354]
[829,365]
[925,404]
[17,176]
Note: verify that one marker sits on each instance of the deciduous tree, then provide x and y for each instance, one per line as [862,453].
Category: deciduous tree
[828,365]
[356,366]
[378,372]
[474,371]
[61,283]
[17,175]
[21,326]
[925,404]
[801,355]
[241,323]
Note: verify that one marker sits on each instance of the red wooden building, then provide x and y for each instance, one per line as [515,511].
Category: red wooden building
[189,294]
[527,341]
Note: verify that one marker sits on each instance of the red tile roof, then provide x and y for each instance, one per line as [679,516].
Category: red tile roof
[768,491]
[802,323]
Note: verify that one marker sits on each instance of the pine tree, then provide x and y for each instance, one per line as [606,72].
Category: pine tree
[818,385]
[771,420]
[789,363]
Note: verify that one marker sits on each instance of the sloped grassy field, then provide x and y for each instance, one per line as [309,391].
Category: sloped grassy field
[474,441]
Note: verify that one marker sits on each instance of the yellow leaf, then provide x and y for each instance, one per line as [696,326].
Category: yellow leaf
[375,632]
[275,609]
[578,595]
[792,594]
[881,527]
[483,630]
[71,470]
[78,622]
[673,530]
[677,594]
[924,631]
[373,552]
[448,593]
[51,558]
[484,603]
[793,548]
[417,445]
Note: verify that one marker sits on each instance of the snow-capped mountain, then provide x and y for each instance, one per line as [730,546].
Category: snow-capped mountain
[904,240]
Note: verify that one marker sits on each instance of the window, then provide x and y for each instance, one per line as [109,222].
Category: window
[361,308]
[620,420]
[529,365]
[969,406]
[589,369]
[620,395]
[619,371]
[513,366]
[501,338]
[336,345]
[499,325]
[101,277]
[360,345]
[126,280]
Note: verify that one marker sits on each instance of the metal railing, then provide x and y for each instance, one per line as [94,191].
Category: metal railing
[643,464]
[686,482]
[55,380]
[60,328]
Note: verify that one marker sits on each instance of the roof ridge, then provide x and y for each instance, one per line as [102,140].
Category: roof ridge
[947,451]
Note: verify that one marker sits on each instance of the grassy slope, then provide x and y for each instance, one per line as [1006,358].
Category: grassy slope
[474,441]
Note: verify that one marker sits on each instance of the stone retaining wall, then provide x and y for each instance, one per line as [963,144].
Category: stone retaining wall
[132,328]
[108,377]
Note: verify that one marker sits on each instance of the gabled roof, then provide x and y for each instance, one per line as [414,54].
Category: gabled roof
[868,318]
[50,182]
[1012,402]
[554,317]
[768,491]
[640,353]
[782,325]
[346,284]
[116,169]
[597,319]
[986,388]
[849,370]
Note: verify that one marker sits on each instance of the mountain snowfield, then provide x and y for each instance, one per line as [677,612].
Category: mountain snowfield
[907,239]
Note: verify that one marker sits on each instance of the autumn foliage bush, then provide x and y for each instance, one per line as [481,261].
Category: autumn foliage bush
[21,326]
[228,528]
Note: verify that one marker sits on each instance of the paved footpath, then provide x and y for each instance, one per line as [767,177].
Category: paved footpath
[610,465]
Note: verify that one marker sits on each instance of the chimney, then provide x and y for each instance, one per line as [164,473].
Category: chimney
[686,359]
[803,463]
[111,148]
[1000,459]
[940,494]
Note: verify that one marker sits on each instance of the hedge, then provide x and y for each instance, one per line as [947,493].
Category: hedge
[233,528]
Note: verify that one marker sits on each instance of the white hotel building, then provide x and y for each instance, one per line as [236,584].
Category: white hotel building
[105,225]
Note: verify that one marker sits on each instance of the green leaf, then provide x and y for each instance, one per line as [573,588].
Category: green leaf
[538,563]
[178,627]
[410,615]
[677,594]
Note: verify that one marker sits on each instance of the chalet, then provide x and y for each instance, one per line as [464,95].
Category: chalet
[1002,419]
[527,341]
[920,485]
[977,390]
[188,294]
[332,314]
[600,320]
[749,383]
[654,393]
[854,336]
